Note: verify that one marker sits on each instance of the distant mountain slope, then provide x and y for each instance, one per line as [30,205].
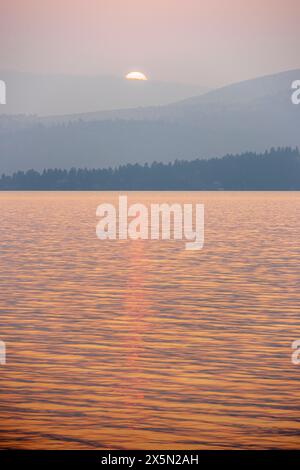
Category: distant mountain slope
[238,97]
[46,95]
[252,115]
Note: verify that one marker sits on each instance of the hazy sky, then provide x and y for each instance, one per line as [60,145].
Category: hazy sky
[206,42]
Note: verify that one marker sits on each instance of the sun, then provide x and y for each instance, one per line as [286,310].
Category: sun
[136,76]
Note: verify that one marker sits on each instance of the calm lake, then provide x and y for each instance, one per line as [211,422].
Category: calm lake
[142,344]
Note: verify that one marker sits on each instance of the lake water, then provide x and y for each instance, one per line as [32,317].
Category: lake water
[142,344]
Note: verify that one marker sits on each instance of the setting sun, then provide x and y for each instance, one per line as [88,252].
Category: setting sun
[136,76]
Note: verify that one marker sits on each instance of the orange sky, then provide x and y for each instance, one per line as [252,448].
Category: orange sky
[205,42]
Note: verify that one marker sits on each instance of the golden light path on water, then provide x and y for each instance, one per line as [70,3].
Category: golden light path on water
[141,344]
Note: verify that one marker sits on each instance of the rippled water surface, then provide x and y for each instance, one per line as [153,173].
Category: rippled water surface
[142,344]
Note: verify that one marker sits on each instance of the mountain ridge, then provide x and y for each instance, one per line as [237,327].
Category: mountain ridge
[251,115]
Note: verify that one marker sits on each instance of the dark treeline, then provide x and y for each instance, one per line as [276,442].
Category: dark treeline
[277,169]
